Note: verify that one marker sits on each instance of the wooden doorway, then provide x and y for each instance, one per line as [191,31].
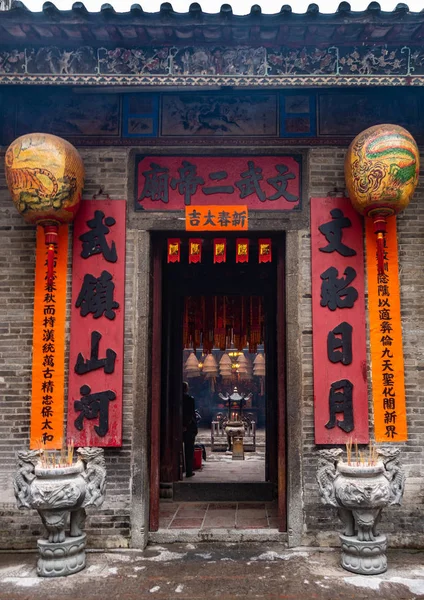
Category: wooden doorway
[172,284]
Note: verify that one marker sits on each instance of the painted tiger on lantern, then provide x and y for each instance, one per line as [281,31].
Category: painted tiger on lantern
[29,178]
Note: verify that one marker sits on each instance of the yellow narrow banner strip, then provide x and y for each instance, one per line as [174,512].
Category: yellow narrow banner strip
[388,384]
[48,358]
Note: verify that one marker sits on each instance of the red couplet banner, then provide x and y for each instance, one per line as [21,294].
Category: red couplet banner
[97,325]
[338,318]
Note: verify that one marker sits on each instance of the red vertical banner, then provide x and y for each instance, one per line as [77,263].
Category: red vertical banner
[338,318]
[97,325]
[174,250]
[387,366]
[242,250]
[219,250]
[194,250]
[265,250]
[48,346]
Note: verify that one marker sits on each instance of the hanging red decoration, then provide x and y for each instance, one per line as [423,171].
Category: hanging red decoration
[381,169]
[219,250]
[237,322]
[265,250]
[220,319]
[174,250]
[242,250]
[208,324]
[220,322]
[194,250]
[255,323]
[45,176]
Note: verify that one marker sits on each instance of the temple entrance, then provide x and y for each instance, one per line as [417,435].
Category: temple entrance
[220,328]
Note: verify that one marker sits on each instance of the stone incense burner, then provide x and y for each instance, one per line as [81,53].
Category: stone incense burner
[360,492]
[61,494]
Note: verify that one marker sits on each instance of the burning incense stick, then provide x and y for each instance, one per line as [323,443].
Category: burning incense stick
[349,451]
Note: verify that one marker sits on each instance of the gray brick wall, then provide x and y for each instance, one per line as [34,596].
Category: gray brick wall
[110,527]
[405,524]
[107,168]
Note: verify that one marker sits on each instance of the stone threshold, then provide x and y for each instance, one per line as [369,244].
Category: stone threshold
[170,536]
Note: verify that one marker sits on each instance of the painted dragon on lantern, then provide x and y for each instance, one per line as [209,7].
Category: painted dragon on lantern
[381,169]
[384,167]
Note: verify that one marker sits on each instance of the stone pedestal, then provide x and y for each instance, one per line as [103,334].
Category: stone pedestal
[238,450]
[61,558]
[61,494]
[360,492]
[366,557]
[235,434]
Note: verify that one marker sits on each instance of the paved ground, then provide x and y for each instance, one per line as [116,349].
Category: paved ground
[209,571]
[220,466]
[204,516]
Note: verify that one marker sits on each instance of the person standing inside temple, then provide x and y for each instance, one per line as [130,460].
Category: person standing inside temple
[189,429]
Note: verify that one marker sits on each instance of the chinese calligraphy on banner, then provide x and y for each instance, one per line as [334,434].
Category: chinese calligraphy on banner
[260,182]
[387,368]
[217,218]
[97,324]
[338,317]
[48,355]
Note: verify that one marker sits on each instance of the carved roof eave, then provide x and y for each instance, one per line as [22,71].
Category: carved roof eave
[20,27]
[195,67]
[191,83]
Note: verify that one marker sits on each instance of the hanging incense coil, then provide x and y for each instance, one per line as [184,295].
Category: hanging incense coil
[259,366]
[191,366]
[225,366]
[210,366]
[245,369]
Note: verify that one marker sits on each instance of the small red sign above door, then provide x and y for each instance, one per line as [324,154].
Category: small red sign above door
[259,182]
[217,218]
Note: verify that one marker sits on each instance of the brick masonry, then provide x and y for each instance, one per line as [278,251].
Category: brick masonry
[109,527]
[405,524]
[110,168]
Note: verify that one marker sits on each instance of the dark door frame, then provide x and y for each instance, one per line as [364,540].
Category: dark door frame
[156,371]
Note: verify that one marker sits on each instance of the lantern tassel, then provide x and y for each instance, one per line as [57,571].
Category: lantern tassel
[50,265]
[51,232]
[380,253]
[380,230]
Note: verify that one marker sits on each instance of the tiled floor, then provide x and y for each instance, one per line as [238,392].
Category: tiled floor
[218,515]
[219,467]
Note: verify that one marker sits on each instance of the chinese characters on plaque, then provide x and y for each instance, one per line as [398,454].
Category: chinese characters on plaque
[387,367]
[48,352]
[338,314]
[217,218]
[97,324]
[259,182]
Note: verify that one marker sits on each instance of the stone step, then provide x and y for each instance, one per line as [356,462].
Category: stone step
[184,491]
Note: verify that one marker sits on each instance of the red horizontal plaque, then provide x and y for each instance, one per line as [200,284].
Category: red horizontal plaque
[338,318]
[97,325]
[258,182]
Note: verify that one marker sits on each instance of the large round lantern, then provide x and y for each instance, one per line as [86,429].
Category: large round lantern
[381,170]
[45,176]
